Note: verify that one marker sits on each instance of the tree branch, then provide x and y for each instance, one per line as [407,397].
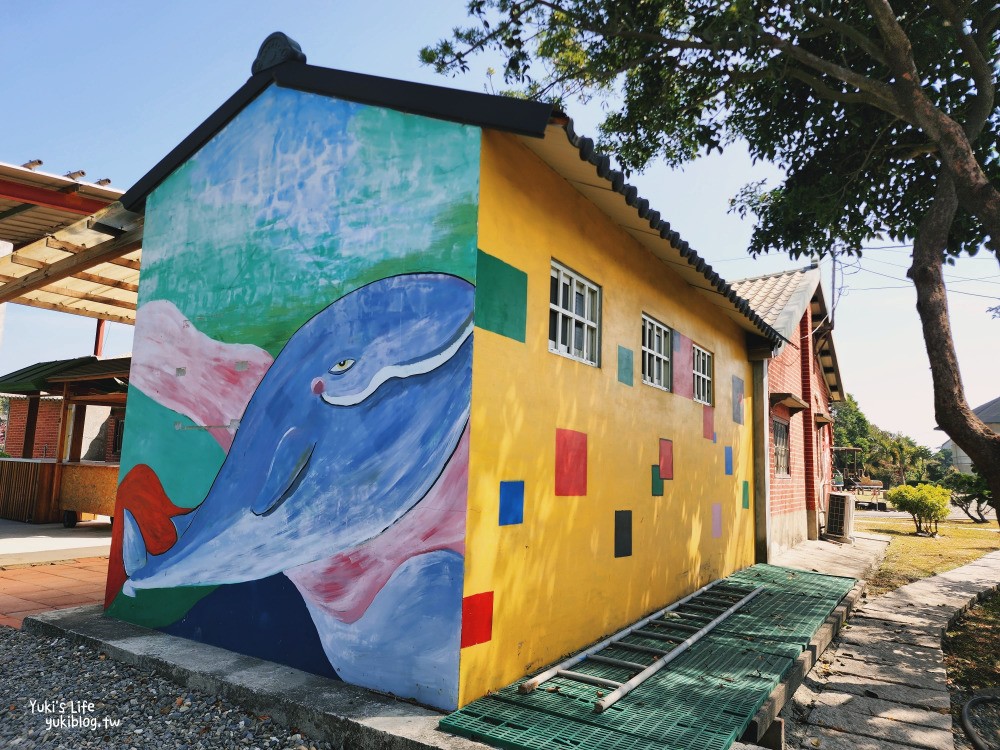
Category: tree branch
[826,92]
[982,71]
[869,46]
[881,93]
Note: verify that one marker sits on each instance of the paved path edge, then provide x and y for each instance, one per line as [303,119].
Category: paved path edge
[896,624]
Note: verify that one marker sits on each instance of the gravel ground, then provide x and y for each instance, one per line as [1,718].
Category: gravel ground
[57,695]
[985,720]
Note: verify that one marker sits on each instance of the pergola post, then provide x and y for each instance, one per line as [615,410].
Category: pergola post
[31,422]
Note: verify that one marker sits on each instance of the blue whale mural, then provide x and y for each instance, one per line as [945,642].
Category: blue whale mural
[359,419]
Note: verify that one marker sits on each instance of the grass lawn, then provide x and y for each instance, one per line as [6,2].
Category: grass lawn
[970,647]
[910,558]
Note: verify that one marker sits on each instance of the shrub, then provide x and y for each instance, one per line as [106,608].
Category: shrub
[926,503]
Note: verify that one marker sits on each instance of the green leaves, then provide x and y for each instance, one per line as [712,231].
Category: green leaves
[686,78]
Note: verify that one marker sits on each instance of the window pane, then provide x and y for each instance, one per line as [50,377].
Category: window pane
[564,333]
[580,308]
[565,295]
[591,344]
[554,289]
[578,338]
[592,305]
[553,325]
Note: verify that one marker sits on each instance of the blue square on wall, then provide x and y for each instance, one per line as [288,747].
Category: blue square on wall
[511,503]
[729,460]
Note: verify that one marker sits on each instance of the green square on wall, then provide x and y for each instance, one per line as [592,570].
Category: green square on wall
[625,365]
[746,495]
[501,297]
[657,481]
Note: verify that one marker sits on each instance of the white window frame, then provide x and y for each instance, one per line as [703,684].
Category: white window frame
[704,371]
[567,323]
[657,364]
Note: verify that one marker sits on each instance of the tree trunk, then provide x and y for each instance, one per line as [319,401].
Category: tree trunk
[950,407]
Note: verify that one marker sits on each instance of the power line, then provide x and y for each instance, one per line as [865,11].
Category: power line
[949,278]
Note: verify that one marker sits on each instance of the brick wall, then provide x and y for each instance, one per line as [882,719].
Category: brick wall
[784,374]
[808,425]
[46,431]
[117,415]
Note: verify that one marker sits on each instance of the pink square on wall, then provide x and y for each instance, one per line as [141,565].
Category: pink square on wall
[708,422]
[571,463]
[716,520]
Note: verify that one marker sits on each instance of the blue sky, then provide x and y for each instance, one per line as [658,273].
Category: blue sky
[110,89]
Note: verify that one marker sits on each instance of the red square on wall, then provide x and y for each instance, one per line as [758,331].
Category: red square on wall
[477,619]
[571,463]
[666,459]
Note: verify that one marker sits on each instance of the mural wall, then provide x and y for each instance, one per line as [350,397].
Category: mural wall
[294,479]
[594,498]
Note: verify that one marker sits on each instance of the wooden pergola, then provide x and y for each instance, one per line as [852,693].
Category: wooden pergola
[75,249]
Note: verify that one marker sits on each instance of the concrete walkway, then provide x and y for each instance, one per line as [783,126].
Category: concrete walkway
[884,684]
[29,543]
[856,560]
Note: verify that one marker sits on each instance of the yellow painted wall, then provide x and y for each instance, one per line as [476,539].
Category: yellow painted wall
[555,581]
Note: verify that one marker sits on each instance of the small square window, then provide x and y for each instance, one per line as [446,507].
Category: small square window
[781,451]
[574,315]
[703,371]
[656,350]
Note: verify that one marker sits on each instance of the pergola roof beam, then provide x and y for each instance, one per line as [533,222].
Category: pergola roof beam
[69,247]
[104,252]
[71,202]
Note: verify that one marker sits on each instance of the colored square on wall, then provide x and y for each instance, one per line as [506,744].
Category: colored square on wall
[501,297]
[623,533]
[737,400]
[729,460]
[716,520]
[571,463]
[708,423]
[477,619]
[511,503]
[625,365]
[746,495]
[683,366]
[666,459]
[657,481]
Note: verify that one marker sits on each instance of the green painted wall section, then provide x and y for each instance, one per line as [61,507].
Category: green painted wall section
[167,448]
[501,297]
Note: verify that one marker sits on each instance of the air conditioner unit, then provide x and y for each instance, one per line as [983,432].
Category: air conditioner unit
[840,517]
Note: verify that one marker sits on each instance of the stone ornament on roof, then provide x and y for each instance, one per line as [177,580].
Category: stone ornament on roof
[278,48]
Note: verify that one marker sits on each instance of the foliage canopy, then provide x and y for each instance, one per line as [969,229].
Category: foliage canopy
[808,85]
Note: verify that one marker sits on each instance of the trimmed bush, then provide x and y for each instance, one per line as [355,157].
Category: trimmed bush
[926,503]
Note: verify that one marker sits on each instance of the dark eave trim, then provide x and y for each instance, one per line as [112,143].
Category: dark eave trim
[467,107]
[518,116]
[602,163]
[790,401]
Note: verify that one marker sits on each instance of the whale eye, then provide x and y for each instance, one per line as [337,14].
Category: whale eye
[342,366]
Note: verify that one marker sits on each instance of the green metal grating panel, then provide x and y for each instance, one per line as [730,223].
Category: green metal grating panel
[798,581]
[518,728]
[704,699]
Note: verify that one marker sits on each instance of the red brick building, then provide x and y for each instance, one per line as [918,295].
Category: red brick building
[102,425]
[801,380]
